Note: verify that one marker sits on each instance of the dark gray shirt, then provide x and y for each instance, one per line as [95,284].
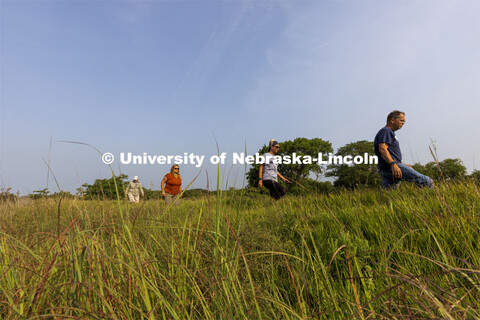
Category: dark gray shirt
[387,135]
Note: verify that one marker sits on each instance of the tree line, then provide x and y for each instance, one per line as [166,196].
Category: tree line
[307,177]
[349,176]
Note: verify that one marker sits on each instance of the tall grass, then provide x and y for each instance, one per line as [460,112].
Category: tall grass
[408,253]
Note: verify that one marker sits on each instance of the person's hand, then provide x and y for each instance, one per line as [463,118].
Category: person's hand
[287,181]
[163,194]
[397,173]
[260,183]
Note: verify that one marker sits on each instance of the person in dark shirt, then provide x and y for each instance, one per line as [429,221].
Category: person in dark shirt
[387,149]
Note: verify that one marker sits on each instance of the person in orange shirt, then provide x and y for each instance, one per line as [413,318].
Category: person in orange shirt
[172,185]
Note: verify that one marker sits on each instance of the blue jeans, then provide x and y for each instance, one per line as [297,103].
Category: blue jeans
[408,174]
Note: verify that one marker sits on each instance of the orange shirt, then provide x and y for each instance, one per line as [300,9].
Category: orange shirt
[172,186]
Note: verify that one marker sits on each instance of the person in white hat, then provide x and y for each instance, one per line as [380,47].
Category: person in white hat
[134,190]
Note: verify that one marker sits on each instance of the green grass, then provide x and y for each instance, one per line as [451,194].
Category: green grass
[408,253]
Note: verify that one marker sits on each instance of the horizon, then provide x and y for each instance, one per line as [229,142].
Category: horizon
[205,77]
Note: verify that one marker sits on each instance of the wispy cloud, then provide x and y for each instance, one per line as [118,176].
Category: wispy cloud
[338,68]
[230,28]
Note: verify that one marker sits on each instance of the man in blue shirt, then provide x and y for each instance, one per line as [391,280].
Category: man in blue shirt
[387,149]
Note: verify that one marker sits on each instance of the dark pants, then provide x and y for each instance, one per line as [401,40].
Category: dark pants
[276,189]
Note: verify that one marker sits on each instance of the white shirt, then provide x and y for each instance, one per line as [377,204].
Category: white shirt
[270,168]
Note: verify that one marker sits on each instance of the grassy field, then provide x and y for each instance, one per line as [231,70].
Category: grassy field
[401,254]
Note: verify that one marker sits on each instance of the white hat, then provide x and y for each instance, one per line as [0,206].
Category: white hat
[135,178]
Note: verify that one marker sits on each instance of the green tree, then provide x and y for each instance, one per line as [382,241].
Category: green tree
[475,176]
[295,172]
[62,194]
[37,194]
[104,188]
[453,169]
[355,175]
[448,169]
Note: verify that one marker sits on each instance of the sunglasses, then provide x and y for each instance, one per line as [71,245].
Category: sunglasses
[277,147]
[176,168]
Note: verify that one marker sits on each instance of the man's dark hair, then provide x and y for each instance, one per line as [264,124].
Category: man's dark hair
[394,115]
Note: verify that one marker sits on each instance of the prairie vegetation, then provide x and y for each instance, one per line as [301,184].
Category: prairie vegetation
[364,254]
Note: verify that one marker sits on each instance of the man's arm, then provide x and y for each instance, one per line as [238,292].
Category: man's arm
[383,149]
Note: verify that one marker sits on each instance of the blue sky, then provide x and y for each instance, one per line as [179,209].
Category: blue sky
[168,77]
